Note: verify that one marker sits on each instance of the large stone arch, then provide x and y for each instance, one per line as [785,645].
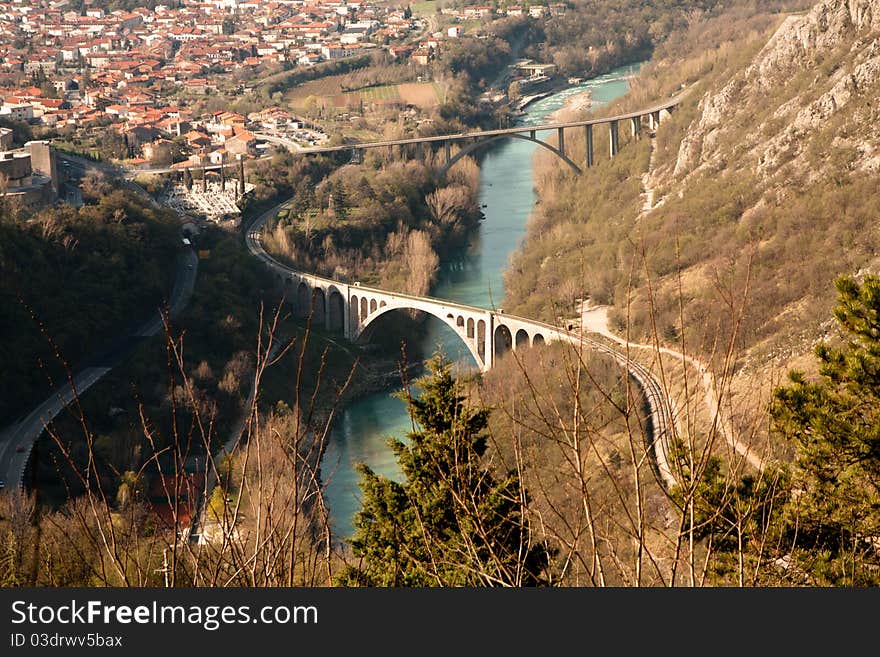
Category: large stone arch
[335,310]
[470,148]
[366,329]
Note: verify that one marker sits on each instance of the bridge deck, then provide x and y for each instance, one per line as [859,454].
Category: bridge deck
[672,102]
[500,132]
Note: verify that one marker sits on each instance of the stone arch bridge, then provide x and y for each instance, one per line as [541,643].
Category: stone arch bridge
[356,310]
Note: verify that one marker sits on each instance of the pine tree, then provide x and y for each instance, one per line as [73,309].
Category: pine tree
[451,522]
[834,423]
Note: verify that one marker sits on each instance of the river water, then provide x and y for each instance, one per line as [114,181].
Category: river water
[474,278]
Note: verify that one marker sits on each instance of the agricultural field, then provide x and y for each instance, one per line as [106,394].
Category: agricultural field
[425,7]
[350,90]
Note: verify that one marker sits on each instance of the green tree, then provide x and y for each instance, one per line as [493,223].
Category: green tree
[451,522]
[834,423]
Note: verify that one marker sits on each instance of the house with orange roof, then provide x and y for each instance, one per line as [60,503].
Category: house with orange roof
[243,142]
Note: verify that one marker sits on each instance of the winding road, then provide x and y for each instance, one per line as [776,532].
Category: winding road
[17,440]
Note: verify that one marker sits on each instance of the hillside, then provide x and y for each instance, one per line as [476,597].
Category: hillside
[763,187]
[77,277]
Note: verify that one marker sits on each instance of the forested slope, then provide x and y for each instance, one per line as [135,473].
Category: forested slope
[76,277]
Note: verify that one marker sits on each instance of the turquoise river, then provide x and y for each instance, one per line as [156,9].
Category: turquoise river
[475,277]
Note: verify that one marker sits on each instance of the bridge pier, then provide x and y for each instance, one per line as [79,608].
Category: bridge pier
[447,146]
[614,138]
[560,132]
[489,342]
[636,124]
[588,140]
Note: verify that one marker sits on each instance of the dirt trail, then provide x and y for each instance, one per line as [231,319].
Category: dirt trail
[595,319]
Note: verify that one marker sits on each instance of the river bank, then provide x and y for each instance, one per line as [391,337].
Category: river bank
[474,277]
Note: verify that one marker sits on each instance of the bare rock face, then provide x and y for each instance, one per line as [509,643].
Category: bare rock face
[846,32]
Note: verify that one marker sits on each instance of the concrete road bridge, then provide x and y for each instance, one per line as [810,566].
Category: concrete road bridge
[468,142]
[356,311]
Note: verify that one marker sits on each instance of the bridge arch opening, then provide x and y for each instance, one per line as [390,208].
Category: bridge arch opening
[303,300]
[364,313]
[393,325]
[470,328]
[481,338]
[319,305]
[522,339]
[373,306]
[354,315]
[470,148]
[538,339]
[460,321]
[502,339]
[336,310]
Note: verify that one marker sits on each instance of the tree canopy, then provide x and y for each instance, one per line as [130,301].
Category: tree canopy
[834,423]
[451,521]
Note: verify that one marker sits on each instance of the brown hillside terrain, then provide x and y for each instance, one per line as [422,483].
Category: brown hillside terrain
[763,187]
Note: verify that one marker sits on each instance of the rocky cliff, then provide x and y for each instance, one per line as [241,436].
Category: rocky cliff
[818,67]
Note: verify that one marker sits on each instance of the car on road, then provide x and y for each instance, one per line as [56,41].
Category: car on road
[19,449]
[2,484]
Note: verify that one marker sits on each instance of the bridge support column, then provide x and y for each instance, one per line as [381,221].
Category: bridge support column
[204,180]
[532,134]
[326,308]
[447,146]
[588,140]
[489,349]
[614,138]
[560,133]
[420,156]
[636,124]
[346,312]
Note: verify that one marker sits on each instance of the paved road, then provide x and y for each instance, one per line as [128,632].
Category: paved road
[17,440]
